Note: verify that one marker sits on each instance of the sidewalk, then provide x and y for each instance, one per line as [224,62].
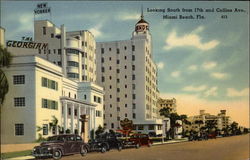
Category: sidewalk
[154,144]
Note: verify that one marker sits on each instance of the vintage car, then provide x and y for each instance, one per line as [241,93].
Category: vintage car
[137,140]
[60,145]
[109,141]
[98,145]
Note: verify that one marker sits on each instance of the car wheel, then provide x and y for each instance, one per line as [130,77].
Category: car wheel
[104,149]
[83,151]
[149,144]
[119,147]
[57,154]
[137,146]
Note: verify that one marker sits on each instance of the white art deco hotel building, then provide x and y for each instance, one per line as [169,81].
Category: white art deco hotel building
[59,81]
[128,74]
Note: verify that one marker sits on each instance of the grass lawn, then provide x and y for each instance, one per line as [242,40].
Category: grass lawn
[16,154]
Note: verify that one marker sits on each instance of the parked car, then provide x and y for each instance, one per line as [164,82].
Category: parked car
[137,140]
[60,145]
[110,140]
[98,145]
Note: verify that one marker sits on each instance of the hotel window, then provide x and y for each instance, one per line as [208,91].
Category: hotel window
[133,86]
[45,129]
[110,105]
[117,70]
[134,116]
[140,127]
[19,101]
[19,129]
[126,115]
[110,68]
[118,99]
[103,79]
[54,51]
[109,49]
[59,51]
[102,60]
[44,30]
[73,64]
[52,35]
[39,51]
[133,57]
[95,98]
[110,96]
[118,108]
[103,69]
[98,113]
[118,61]
[126,95]
[134,106]
[110,115]
[125,86]
[118,89]
[85,96]
[59,63]
[117,51]
[133,47]
[75,112]
[112,125]
[118,80]
[69,111]
[118,118]
[125,47]
[102,50]
[110,58]
[110,87]
[99,100]
[125,76]
[126,105]
[133,67]
[18,79]
[151,127]
[133,77]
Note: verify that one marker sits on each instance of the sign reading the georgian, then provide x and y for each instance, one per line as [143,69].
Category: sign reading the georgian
[42,8]
[30,45]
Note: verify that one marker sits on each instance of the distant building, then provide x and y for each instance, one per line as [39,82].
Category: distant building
[199,121]
[167,103]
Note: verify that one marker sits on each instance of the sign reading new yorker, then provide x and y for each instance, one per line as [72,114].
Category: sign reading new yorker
[42,8]
[30,45]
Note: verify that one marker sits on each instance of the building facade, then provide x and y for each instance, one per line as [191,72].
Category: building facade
[51,83]
[167,103]
[128,75]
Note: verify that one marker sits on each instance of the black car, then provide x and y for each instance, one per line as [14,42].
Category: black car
[110,140]
[97,145]
[60,145]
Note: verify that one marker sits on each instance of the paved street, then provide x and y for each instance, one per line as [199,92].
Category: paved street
[229,148]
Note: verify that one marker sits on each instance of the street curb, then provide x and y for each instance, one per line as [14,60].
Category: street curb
[169,142]
[154,144]
[21,158]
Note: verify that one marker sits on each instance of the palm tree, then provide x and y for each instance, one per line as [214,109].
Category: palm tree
[5,60]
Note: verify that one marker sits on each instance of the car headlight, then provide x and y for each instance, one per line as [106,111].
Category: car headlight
[49,148]
[34,149]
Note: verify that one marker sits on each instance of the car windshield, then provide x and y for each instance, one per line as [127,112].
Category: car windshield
[55,138]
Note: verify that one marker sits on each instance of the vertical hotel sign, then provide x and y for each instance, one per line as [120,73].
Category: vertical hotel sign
[42,8]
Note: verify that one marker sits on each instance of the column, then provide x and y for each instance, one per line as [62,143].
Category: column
[65,109]
[72,118]
[78,118]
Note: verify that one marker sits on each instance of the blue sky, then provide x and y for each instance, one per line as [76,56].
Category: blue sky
[203,63]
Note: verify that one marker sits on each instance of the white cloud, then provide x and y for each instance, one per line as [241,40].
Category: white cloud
[190,39]
[193,68]
[128,16]
[211,92]
[198,29]
[209,65]
[195,88]
[160,65]
[231,92]
[96,31]
[176,74]
[218,75]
